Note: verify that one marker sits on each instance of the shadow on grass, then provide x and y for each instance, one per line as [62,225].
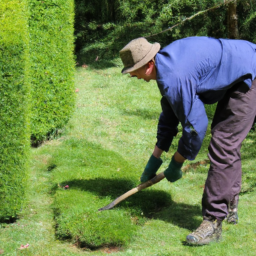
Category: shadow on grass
[8,220]
[143,113]
[155,204]
[148,203]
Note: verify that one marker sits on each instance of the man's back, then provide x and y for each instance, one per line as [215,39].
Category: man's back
[206,66]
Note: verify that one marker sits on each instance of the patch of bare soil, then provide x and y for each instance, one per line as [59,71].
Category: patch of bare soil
[195,165]
[112,249]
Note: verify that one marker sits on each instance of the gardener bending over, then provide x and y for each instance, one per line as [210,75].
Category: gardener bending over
[189,73]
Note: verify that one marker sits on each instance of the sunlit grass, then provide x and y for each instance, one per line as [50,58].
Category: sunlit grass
[100,156]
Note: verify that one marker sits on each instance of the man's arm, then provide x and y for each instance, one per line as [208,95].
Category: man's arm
[167,129]
[167,126]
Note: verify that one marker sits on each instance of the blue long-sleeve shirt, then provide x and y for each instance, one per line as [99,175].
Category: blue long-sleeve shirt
[192,72]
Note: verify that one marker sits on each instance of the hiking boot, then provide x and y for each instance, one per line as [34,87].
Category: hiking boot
[232,217]
[209,231]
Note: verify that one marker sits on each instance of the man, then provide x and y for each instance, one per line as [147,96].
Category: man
[192,72]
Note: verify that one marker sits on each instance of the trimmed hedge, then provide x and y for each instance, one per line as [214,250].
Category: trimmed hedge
[14,107]
[52,71]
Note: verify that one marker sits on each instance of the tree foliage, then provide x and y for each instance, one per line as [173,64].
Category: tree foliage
[247,19]
[103,27]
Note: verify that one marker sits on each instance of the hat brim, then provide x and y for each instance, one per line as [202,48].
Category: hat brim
[154,50]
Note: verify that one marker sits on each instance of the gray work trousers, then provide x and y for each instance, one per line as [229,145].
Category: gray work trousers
[232,121]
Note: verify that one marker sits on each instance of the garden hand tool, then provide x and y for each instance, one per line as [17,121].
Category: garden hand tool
[146,184]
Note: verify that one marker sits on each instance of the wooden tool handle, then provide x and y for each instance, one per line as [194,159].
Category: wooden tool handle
[147,184]
[151,182]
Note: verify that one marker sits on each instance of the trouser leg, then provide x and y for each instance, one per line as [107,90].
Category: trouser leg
[232,121]
[232,210]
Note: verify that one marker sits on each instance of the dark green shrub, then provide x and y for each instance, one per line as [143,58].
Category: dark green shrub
[52,70]
[247,18]
[102,28]
[14,107]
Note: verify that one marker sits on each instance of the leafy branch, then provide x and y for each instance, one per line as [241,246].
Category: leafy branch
[225,2]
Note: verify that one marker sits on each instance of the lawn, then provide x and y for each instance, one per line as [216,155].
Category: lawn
[100,155]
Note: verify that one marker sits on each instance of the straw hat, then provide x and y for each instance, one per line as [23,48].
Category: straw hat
[137,53]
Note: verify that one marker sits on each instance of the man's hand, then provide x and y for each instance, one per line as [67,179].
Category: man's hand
[151,168]
[173,172]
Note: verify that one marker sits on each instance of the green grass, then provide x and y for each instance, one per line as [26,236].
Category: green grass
[101,155]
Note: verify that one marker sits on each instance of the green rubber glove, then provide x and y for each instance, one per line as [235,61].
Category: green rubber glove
[151,168]
[173,172]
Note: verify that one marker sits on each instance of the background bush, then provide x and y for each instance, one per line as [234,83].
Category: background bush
[102,28]
[52,70]
[14,107]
